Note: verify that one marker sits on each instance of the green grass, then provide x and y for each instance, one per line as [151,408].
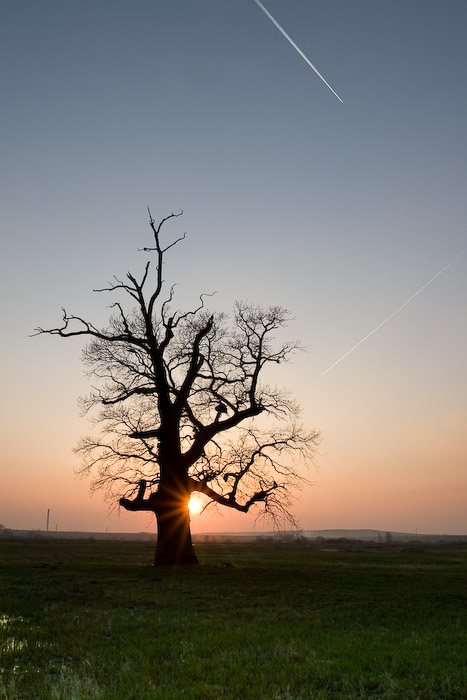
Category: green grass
[94,620]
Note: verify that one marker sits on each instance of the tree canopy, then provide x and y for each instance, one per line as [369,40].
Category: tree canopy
[180,405]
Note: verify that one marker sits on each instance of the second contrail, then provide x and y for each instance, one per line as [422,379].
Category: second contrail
[305,58]
[393,314]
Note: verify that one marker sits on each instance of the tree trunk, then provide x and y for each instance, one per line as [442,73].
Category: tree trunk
[174,545]
[170,506]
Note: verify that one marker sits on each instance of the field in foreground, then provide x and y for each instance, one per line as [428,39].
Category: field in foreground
[94,620]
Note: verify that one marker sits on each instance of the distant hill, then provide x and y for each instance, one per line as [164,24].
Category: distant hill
[289,535]
[361,535]
[75,535]
[380,536]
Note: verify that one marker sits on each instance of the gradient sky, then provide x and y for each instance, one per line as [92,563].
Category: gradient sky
[340,212]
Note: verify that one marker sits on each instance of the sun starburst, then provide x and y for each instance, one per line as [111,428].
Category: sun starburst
[195,504]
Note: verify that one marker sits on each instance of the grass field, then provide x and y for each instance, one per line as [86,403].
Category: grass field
[94,620]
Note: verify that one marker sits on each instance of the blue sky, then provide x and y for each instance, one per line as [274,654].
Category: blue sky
[340,212]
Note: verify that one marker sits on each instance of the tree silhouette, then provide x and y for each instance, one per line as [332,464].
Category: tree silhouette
[181,406]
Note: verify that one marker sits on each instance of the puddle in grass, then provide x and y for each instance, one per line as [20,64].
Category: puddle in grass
[14,648]
[11,643]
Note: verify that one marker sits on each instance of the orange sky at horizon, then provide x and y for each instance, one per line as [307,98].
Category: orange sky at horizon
[355,485]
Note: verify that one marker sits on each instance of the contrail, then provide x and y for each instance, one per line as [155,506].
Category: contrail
[393,313]
[276,24]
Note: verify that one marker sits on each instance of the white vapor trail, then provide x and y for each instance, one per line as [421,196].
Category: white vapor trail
[393,313]
[276,24]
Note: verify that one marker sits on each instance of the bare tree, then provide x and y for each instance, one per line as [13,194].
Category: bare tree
[181,406]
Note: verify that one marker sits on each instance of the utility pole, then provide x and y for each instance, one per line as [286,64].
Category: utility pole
[48,516]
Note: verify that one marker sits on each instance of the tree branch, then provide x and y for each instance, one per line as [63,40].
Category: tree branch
[230,502]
